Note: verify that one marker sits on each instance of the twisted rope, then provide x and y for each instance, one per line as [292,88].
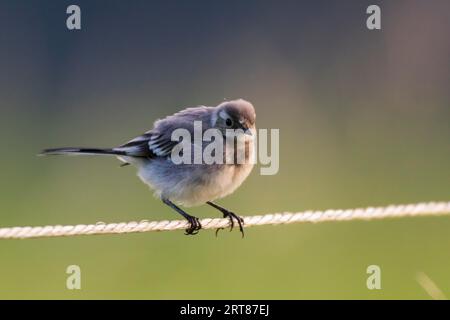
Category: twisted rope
[371,213]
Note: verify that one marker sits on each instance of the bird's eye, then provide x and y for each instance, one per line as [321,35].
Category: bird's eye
[229,122]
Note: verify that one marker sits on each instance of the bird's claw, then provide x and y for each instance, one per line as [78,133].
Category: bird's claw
[232,216]
[194,226]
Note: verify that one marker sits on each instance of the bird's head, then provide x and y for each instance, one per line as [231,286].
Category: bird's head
[234,115]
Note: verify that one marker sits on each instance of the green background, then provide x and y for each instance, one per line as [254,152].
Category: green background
[363,118]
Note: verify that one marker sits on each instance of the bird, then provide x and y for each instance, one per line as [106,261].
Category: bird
[188,184]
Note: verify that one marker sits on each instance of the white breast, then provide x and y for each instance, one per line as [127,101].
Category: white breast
[195,184]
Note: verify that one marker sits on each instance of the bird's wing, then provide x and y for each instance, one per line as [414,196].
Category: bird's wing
[158,141]
[151,144]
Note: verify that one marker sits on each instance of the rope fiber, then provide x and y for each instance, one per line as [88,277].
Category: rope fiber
[370,213]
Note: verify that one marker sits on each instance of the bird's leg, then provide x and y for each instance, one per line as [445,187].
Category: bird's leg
[230,215]
[194,223]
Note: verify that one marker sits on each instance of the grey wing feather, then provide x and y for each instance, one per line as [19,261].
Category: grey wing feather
[149,145]
[138,147]
[158,141]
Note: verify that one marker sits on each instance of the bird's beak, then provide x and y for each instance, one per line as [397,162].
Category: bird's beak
[248,132]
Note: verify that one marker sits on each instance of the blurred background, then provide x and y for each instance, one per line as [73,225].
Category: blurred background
[363,118]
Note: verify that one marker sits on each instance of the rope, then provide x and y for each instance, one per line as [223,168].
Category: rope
[371,213]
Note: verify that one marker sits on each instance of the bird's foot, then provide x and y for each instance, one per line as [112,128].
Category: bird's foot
[194,226]
[232,216]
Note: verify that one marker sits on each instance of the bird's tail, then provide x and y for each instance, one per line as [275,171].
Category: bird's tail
[83,151]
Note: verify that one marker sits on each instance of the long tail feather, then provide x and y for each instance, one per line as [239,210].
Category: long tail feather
[82,151]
